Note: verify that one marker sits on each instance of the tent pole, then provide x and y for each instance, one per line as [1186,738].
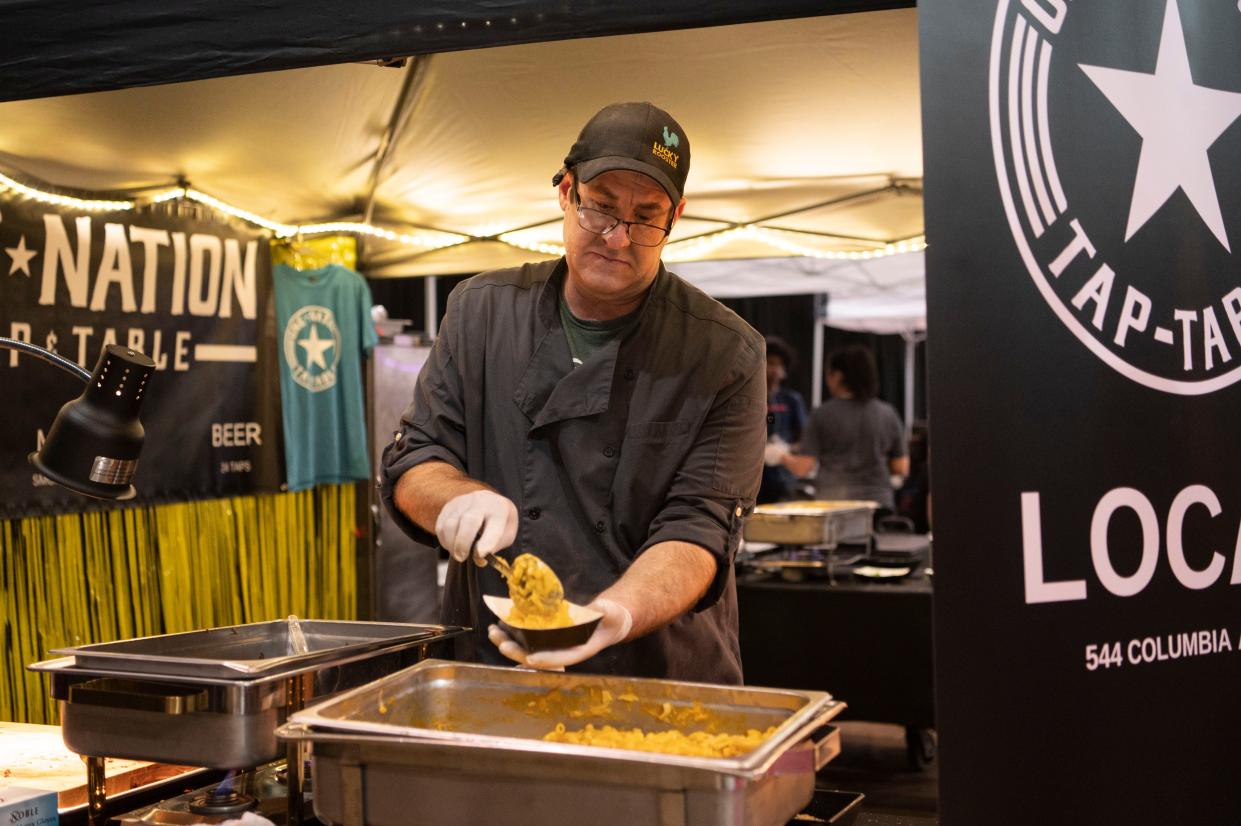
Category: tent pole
[911,344]
[396,122]
[816,383]
[430,290]
[912,339]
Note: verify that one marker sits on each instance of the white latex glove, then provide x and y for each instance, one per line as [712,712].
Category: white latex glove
[613,628]
[465,516]
[775,452]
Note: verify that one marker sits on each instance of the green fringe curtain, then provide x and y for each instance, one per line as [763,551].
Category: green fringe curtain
[96,577]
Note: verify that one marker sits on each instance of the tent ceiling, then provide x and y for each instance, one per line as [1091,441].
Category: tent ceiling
[782,115]
[63,47]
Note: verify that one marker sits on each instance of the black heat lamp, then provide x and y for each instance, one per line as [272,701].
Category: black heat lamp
[93,444]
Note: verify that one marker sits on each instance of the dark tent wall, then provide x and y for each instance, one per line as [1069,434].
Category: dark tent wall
[791,317]
[407,297]
[60,47]
[889,353]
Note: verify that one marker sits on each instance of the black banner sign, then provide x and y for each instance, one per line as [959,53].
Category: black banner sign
[195,296]
[1084,303]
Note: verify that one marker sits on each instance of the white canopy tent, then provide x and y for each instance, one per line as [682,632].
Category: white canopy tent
[805,140]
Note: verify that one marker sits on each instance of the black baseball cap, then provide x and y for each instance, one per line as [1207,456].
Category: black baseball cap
[639,137]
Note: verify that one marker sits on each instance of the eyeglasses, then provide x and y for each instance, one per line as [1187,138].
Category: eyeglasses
[601,223]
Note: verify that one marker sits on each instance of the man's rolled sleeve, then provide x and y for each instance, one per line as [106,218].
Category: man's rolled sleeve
[432,429]
[715,487]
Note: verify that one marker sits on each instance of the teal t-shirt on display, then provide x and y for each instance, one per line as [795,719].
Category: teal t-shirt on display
[324,329]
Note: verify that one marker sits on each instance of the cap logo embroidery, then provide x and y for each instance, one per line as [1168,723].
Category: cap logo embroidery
[671,139]
[665,154]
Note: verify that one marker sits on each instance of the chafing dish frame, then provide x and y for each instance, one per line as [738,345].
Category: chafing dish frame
[214,722]
[368,773]
[823,525]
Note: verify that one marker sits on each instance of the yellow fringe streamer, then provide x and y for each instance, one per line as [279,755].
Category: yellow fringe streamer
[97,577]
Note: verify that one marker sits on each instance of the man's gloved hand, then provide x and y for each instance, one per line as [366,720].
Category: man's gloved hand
[464,516]
[613,628]
[775,452]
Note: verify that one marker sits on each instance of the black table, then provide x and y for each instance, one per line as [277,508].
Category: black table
[867,643]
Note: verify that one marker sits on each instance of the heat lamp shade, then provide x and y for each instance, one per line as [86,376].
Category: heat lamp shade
[92,446]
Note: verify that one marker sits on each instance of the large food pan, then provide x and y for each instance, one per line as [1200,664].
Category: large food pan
[821,523]
[252,650]
[452,743]
[213,721]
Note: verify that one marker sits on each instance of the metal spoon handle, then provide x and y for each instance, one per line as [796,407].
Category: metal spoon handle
[501,565]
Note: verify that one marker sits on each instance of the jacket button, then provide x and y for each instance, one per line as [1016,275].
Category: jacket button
[600,527]
[396,437]
[609,451]
[629,374]
[534,513]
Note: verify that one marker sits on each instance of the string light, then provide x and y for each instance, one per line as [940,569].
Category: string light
[521,241]
[64,200]
[430,239]
[676,251]
[427,239]
[170,195]
[249,217]
[694,248]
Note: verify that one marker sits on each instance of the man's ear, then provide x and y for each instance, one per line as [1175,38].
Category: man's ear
[564,190]
[676,214]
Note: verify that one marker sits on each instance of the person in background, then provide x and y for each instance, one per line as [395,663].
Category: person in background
[856,440]
[913,500]
[599,412]
[786,417]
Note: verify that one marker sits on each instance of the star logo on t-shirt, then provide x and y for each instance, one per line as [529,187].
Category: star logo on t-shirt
[312,347]
[315,347]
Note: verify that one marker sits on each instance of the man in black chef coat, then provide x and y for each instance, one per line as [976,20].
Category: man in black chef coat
[598,412]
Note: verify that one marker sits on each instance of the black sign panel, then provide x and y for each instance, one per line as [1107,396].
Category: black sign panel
[1084,302]
[193,295]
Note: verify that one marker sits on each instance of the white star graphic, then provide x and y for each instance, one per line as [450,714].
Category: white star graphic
[21,257]
[1178,122]
[315,347]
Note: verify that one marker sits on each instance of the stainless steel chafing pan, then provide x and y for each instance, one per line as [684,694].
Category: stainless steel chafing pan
[252,650]
[452,743]
[217,701]
[821,523]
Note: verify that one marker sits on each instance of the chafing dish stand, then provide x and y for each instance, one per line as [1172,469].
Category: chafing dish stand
[215,697]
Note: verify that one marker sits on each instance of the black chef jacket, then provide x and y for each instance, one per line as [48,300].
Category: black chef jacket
[657,436]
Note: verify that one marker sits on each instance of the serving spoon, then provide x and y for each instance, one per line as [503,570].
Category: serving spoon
[522,578]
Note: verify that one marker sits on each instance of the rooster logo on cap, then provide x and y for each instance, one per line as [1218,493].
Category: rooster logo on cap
[671,139]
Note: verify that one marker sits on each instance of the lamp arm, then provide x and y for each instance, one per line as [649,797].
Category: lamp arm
[47,355]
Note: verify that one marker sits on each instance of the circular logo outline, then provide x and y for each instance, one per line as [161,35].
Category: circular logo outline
[304,316]
[1034,268]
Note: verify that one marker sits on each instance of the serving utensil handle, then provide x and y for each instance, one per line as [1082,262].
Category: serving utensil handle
[501,565]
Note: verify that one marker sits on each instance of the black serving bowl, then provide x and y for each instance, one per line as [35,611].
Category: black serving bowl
[546,639]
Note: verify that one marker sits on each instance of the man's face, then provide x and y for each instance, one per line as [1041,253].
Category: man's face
[610,270]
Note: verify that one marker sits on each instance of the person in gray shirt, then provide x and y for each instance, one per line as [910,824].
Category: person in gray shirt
[856,440]
[598,412]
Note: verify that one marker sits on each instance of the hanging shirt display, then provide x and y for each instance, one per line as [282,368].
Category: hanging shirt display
[324,329]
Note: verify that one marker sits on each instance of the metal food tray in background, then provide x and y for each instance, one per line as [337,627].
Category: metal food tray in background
[462,744]
[241,651]
[141,706]
[820,523]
